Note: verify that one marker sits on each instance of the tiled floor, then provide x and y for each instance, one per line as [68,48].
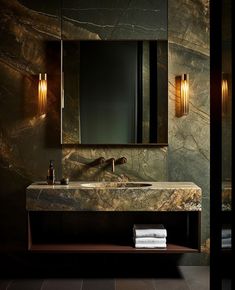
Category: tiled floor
[226,284]
[189,278]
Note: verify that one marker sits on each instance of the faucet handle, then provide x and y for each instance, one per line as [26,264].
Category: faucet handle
[121,160]
[100,160]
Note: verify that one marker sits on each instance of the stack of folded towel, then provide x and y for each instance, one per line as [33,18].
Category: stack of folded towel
[150,236]
[226,238]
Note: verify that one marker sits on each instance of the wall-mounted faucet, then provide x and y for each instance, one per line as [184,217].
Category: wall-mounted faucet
[114,162]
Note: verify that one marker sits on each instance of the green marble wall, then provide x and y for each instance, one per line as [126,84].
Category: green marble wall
[189,136]
[29,38]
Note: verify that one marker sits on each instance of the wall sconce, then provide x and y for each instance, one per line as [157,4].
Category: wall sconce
[182,95]
[42,94]
[224,87]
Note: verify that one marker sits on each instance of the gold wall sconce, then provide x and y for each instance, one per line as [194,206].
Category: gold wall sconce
[225,96]
[182,95]
[42,94]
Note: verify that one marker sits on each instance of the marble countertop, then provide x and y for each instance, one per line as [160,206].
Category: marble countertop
[159,196]
[79,184]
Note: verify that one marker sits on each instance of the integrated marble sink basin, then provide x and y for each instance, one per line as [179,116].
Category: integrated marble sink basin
[107,185]
[114,196]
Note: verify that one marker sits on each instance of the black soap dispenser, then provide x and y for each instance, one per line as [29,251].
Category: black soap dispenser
[51,174]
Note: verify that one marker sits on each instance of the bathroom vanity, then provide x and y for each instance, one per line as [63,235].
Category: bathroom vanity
[97,217]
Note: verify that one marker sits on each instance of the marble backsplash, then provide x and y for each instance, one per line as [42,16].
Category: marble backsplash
[139,166]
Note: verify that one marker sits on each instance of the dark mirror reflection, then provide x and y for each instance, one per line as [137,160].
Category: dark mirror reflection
[114,92]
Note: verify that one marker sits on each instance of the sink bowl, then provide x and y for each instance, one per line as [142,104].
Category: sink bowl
[115,184]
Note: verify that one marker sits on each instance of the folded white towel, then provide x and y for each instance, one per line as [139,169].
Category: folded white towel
[226,233]
[149,230]
[226,243]
[151,233]
[148,240]
[151,245]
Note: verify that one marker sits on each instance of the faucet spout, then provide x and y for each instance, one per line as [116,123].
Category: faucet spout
[112,162]
[98,161]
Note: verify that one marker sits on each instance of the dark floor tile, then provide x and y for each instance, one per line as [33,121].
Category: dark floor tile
[62,284]
[226,284]
[98,284]
[135,284]
[172,284]
[197,277]
[4,284]
[25,284]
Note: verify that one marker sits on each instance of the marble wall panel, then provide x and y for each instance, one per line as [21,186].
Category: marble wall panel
[27,141]
[188,24]
[189,136]
[117,19]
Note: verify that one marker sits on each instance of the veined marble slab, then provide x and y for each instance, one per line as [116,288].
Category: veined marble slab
[159,196]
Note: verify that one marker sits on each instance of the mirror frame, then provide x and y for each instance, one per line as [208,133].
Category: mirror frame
[159,88]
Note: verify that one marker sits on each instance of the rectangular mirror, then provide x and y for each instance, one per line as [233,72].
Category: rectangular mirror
[114,92]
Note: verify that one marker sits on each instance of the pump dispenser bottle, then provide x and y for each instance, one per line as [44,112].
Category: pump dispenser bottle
[51,173]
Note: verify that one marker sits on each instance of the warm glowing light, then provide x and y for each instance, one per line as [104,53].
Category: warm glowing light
[184,95]
[42,93]
[224,96]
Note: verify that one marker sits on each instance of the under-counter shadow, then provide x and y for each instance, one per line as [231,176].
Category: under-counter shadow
[51,266]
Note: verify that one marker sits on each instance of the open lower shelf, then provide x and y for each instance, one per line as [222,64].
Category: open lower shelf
[106,248]
[52,232]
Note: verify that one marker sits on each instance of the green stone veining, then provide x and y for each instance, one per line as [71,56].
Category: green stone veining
[159,196]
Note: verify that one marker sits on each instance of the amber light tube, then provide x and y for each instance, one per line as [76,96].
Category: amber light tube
[42,93]
[224,94]
[184,95]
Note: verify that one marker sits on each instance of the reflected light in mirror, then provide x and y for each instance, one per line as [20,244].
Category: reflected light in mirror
[224,94]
